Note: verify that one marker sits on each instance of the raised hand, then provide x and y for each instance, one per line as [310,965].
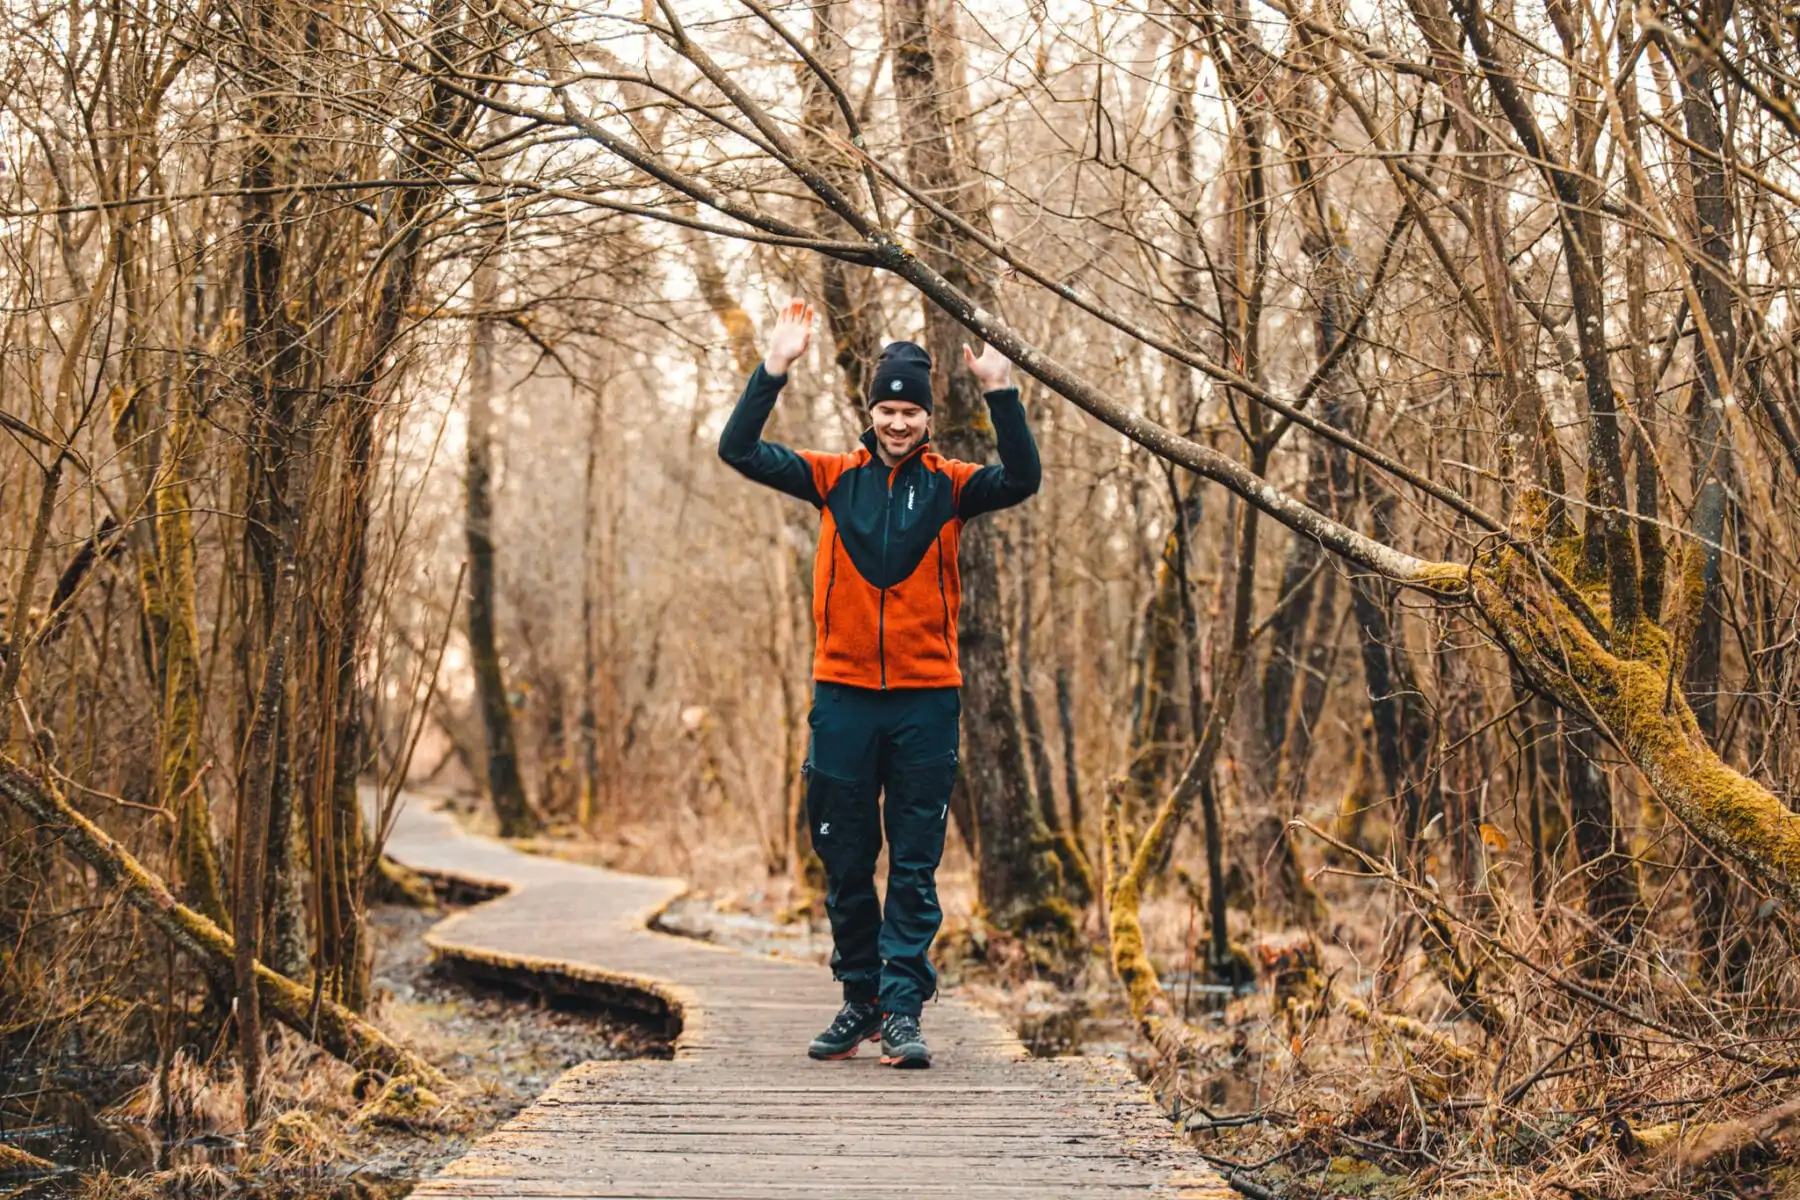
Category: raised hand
[791,336]
[993,370]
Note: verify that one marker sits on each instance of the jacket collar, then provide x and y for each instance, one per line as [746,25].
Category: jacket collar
[874,449]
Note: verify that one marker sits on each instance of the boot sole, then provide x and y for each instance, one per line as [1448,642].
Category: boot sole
[841,1055]
[906,1062]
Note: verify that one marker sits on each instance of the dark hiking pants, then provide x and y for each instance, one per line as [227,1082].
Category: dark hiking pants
[901,742]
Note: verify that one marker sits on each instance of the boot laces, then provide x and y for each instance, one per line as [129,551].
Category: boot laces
[902,1028]
[853,1013]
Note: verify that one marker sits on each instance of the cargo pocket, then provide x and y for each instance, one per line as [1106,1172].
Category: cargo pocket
[918,813]
[841,815]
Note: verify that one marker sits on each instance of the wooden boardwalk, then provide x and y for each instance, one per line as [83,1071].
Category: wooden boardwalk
[741,1111]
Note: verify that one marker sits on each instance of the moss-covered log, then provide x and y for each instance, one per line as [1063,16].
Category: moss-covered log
[1700,1145]
[1405,1029]
[1172,1037]
[18,1164]
[1628,690]
[335,1028]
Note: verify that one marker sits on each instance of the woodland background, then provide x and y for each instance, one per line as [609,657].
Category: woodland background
[361,371]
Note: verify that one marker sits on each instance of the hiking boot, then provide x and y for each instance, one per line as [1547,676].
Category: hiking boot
[857,1022]
[902,1045]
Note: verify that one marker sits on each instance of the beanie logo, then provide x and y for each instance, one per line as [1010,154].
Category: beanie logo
[896,385]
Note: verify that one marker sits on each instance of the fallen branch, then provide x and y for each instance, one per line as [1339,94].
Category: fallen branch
[397,883]
[1298,986]
[1697,1146]
[16,1163]
[1405,1029]
[335,1028]
[1779,1068]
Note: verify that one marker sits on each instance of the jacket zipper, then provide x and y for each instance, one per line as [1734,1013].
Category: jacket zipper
[887,520]
[830,582]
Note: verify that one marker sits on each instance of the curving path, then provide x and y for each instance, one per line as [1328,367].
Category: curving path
[741,1111]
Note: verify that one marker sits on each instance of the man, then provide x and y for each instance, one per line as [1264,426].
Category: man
[885,694]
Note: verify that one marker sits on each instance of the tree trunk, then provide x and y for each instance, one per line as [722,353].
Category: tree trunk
[1066,630]
[1715,361]
[1282,667]
[264,781]
[1652,558]
[1715,356]
[1609,548]
[590,633]
[1065,721]
[182,784]
[1077,876]
[1157,701]
[261,755]
[1402,730]
[156,454]
[278,380]
[1309,703]
[505,782]
[1019,879]
[446,118]
[1612,889]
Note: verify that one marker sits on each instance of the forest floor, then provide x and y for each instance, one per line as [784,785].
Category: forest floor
[502,1047]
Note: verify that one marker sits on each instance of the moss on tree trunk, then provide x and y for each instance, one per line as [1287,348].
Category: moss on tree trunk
[1634,698]
[331,1026]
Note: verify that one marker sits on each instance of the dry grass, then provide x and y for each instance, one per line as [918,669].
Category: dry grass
[327,1131]
[1557,1096]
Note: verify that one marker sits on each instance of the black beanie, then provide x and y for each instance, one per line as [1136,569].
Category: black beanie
[904,373]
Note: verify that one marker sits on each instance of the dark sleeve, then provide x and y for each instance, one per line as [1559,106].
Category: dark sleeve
[1019,473]
[742,447]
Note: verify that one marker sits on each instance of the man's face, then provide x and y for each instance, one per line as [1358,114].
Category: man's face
[900,425]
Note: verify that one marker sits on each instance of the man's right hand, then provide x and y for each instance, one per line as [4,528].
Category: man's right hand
[792,334]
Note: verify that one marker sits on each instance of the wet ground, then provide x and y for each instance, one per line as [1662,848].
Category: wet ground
[503,1047]
[707,920]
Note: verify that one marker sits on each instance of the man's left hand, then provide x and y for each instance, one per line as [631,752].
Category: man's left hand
[993,370]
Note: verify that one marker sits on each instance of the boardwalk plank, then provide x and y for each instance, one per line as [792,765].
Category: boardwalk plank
[740,1113]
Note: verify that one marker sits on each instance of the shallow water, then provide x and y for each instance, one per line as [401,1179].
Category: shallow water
[699,918]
